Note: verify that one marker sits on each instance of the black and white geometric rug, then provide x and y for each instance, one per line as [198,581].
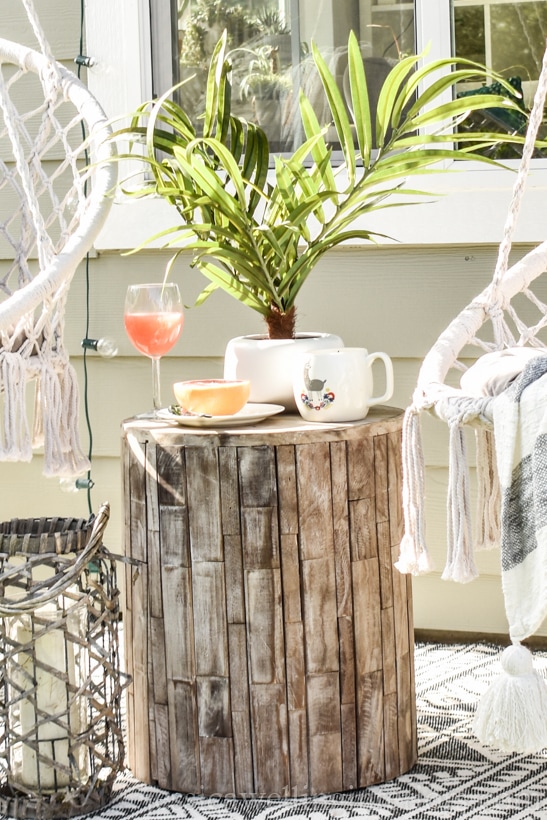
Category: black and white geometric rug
[455,778]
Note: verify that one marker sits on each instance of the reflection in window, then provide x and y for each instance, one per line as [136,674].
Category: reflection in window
[509,37]
[269,42]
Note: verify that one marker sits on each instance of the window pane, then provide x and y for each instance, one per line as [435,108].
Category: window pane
[520,30]
[270,44]
[509,37]
[469,33]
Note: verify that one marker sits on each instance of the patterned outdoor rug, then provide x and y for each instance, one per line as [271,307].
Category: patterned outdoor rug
[455,776]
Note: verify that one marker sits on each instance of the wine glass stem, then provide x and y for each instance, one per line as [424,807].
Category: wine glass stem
[156,386]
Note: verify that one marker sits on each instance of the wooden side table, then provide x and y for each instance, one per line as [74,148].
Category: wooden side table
[268,634]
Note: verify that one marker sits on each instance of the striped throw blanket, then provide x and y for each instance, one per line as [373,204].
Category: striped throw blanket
[520,426]
[512,713]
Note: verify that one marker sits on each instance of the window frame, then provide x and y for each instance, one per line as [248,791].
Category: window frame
[469,207]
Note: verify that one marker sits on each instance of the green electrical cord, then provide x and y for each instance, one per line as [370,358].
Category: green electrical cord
[89,483]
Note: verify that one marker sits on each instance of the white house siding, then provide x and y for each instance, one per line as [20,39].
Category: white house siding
[395,298]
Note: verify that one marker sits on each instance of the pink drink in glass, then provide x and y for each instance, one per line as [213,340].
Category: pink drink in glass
[154,334]
[153,318]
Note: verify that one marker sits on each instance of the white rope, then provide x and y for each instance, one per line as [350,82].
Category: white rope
[535,120]
[460,564]
[32,208]
[458,413]
[456,408]
[413,557]
[16,445]
[51,226]
[38,30]
[488,492]
[512,715]
[59,412]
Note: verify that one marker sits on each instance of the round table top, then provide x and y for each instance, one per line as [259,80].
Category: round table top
[277,429]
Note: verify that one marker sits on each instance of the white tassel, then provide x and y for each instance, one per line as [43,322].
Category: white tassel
[460,562]
[488,491]
[16,443]
[512,714]
[413,556]
[59,411]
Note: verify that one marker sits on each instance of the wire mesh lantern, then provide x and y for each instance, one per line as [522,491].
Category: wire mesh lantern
[61,743]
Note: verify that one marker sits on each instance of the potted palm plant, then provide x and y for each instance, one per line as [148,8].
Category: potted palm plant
[257,232]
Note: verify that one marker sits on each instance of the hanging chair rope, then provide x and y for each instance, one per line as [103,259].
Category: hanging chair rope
[534,123]
[38,31]
[512,714]
[15,129]
[456,408]
[56,187]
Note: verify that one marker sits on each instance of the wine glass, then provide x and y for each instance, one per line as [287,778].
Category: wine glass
[153,319]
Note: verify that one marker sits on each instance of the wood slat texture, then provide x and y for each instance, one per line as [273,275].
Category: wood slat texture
[270,637]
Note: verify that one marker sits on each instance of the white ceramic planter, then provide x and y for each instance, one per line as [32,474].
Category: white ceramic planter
[269,363]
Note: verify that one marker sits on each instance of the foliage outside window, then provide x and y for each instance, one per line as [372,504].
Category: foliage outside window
[508,36]
[270,50]
[270,40]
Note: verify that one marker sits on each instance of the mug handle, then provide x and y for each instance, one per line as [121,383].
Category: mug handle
[388,364]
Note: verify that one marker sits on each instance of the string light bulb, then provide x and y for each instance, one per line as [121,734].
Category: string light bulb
[73,485]
[106,347]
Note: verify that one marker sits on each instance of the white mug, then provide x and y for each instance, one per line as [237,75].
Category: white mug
[337,384]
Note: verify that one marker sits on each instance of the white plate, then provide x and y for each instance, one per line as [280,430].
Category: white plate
[252,412]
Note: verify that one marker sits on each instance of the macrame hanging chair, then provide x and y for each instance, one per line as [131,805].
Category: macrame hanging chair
[506,323]
[55,180]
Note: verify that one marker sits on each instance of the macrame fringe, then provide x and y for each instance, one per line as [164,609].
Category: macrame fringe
[512,714]
[58,410]
[488,492]
[460,563]
[71,409]
[56,414]
[55,228]
[413,557]
[16,440]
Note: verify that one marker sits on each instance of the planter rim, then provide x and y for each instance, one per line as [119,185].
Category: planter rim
[263,337]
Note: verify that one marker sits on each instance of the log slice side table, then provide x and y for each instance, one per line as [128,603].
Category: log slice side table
[268,635]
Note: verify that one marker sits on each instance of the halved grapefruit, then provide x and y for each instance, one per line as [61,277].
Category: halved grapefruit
[213,397]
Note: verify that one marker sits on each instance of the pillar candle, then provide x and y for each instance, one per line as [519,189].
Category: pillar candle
[50,698]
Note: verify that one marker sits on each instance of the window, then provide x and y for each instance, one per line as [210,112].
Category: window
[270,50]
[508,34]
[269,43]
